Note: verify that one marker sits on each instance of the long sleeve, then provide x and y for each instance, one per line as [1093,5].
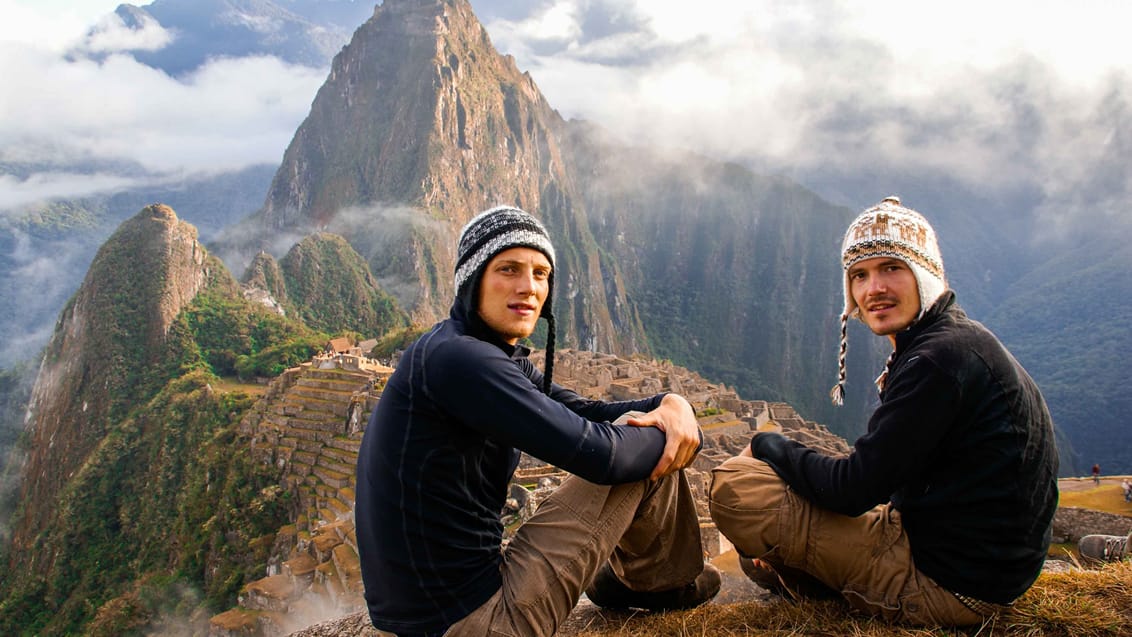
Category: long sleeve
[505,404]
[903,437]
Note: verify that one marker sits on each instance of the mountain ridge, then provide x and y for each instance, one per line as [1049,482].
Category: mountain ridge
[96,339]
[137,474]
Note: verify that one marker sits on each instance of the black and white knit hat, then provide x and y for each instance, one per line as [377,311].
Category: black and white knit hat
[888,230]
[491,232]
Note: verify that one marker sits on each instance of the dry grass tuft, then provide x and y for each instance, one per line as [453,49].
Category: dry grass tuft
[1087,603]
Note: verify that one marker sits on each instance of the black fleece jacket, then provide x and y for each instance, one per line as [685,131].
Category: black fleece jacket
[963,446]
[438,453]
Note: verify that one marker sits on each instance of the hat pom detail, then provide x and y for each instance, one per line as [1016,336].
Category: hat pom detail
[837,394]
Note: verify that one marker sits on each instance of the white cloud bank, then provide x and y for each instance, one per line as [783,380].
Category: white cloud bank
[56,111]
[49,24]
[111,34]
[991,94]
[230,114]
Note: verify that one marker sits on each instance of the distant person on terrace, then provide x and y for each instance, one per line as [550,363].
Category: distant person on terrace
[942,513]
[445,439]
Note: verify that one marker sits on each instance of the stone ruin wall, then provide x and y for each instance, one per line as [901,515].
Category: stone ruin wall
[309,423]
[308,426]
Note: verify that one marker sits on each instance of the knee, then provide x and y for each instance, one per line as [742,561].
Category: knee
[745,501]
[742,482]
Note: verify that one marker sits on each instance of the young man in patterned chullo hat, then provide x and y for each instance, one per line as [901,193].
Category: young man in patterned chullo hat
[942,513]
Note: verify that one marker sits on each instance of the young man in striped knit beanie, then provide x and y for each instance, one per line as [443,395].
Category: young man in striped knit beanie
[445,438]
[942,513]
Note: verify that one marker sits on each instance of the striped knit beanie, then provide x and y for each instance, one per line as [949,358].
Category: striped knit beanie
[491,232]
[888,230]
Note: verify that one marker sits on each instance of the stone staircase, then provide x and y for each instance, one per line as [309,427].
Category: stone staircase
[309,426]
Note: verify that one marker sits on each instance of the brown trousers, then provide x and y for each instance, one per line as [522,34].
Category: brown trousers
[648,531]
[867,558]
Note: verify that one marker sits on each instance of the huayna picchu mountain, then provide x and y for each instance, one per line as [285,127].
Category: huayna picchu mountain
[422,123]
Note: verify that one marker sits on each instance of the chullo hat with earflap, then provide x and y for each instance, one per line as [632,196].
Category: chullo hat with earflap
[888,229]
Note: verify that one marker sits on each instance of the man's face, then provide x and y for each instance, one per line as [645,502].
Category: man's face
[512,291]
[886,294]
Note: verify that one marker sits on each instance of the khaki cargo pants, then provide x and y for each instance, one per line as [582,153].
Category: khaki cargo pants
[867,558]
[649,531]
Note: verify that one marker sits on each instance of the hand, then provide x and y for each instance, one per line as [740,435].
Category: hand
[677,420]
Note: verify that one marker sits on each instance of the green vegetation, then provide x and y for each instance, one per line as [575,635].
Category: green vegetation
[1079,359]
[238,338]
[61,217]
[396,341]
[170,500]
[168,513]
[264,273]
[333,290]
[15,392]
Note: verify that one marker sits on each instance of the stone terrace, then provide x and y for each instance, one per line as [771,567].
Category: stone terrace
[309,423]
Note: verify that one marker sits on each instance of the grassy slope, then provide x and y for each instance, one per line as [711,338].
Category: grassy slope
[1092,603]
[1095,602]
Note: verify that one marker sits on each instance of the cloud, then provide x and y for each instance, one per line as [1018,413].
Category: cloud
[112,34]
[41,279]
[229,114]
[50,24]
[967,89]
[40,186]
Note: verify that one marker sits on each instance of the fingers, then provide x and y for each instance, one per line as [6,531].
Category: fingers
[666,465]
[676,418]
[679,451]
[643,421]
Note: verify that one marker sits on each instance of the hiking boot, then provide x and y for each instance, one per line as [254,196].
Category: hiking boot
[784,580]
[1105,548]
[608,591]
[762,574]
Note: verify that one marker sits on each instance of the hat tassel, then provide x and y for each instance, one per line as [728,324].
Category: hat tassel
[837,394]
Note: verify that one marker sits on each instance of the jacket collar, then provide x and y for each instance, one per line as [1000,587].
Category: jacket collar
[942,305]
